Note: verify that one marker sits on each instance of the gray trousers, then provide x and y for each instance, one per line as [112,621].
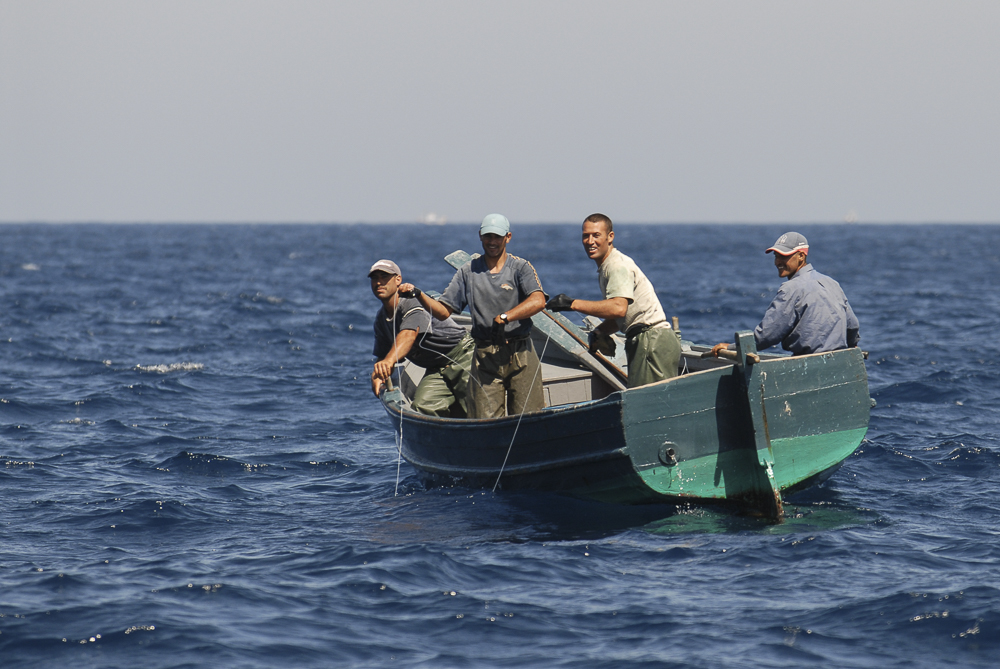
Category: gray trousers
[653,355]
[506,380]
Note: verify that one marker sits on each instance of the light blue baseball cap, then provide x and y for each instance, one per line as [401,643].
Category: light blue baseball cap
[496,224]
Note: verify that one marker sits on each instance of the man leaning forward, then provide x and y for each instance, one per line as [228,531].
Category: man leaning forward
[403,329]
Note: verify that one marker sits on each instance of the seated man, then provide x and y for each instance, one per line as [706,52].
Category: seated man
[810,313]
[403,329]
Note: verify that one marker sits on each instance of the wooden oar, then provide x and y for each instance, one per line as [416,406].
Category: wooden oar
[568,325]
[562,336]
[732,355]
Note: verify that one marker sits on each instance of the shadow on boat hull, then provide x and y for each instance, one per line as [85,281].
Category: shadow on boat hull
[740,434]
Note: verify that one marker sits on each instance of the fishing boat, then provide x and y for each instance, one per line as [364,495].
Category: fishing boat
[743,431]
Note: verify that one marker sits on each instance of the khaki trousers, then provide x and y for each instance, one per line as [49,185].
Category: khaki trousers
[506,380]
[444,390]
[653,355]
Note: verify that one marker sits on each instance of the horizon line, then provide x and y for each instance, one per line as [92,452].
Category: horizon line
[476,222]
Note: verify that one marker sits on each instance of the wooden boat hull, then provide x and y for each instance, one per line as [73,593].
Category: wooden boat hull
[729,434]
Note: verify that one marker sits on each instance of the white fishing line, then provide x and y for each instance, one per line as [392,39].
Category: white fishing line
[399,382]
[420,344]
[523,407]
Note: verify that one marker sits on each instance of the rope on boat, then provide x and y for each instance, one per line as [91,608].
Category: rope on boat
[399,382]
[420,344]
[399,449]
[523,407]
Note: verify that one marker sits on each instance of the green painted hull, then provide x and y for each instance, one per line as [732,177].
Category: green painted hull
[740,434]
[816,411]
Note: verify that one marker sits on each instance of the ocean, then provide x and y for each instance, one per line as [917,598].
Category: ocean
[194,472]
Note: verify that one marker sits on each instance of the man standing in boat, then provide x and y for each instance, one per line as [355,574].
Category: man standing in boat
[502,292]
[630,305]
[403,329]
[810,313]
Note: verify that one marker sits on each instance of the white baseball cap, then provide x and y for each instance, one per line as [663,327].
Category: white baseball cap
[386,266]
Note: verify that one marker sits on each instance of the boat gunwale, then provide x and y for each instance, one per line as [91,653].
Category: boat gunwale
[444,421]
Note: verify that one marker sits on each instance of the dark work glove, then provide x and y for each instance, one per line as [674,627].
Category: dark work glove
[601,343]
[498,333]
[560,302]
[410,293]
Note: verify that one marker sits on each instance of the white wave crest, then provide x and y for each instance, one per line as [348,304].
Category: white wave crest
[172,367]
[78,421]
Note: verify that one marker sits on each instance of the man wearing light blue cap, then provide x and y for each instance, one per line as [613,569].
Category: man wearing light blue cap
[502,292]
[810,313]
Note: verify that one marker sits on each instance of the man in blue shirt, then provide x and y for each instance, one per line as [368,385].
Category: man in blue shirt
[810,313]
[502,293]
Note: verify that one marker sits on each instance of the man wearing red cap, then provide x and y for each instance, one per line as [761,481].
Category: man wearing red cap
[810,313]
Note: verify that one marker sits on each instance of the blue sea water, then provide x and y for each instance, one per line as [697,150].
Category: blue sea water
[194,473]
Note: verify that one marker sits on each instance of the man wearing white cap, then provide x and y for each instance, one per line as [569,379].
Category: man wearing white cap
[502,292]
[403,329]
[810,313]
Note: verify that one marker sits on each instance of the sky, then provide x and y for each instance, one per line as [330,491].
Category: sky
[385,111]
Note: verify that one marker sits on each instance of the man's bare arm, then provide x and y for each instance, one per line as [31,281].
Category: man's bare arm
[383,368]
[436,309]
[613,307]
[608,309]
[531,305]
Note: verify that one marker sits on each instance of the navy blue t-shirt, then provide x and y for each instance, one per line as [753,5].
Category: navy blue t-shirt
[434,338]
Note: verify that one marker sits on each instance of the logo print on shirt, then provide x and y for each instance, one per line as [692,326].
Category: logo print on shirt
[506,286]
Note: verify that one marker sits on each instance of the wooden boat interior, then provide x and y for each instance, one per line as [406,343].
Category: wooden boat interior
[565,380]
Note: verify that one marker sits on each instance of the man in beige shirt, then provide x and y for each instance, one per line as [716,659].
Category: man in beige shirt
[630,305]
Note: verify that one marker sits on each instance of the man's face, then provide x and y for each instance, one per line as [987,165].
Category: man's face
[494,245]
[597,240]
[385,285]
[789,265]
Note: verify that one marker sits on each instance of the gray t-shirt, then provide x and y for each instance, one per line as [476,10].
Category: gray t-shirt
[489,295]
[434,338]
[619,276]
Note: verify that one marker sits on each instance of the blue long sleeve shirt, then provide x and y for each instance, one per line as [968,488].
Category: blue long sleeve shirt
[810,314]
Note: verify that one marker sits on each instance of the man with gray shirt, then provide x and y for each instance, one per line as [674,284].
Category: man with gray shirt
[630,305]
[403,329]
[810,313]
[502,293]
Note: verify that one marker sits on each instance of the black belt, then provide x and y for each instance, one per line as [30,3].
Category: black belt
[506,340]
[639,328]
